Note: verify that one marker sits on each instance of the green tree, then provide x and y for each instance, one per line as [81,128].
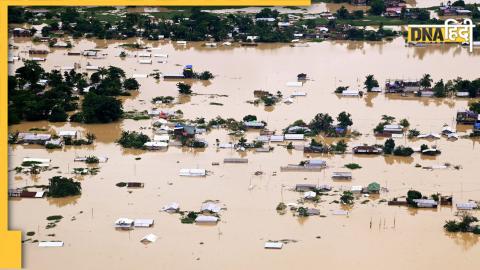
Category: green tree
[370,83]
[439,89]
[58,114]
[413,195]
[342,13]
[344,119]
[404,123]
[321,122]
[475,106]
[347,197]
[101,109]
[249,118]
[184,88]
[377,7]
[242,142]
[133,139]
[63,187]
[389,146]
[426,81]
[31,72]
[131,84]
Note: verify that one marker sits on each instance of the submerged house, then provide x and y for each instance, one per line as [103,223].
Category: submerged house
[467,206]
[193,172]
[210,207]
[402,86]
[294,137]
[171,208]
[426,203]
[254,124]
[393,129]
[155,145]
[34,138]
[305,187]
[367,149]
[315,149]
[466,117]
[124,224]
[342,175]
[315,163]
[201,219]
[22,193]
[184,130]
[143,223]
[72,134]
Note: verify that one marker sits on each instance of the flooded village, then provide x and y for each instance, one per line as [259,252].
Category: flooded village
[247,148]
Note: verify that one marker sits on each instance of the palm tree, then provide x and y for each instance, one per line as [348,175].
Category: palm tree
[426,81]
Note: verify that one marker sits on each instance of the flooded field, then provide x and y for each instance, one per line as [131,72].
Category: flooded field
[397,237]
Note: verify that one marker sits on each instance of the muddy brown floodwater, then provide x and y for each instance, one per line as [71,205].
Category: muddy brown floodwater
[399,238]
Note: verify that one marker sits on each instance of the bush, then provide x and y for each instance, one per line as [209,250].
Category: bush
[189,218]
[92,160]
[249,118]
[339,147]
[63,187]
[290,145]
[413,133]
[462,226]
[133,139]
[353,166]
[403,151]
[206,75]
[184,88]
[347,197]
[302,211]
[54,218]
[52,146]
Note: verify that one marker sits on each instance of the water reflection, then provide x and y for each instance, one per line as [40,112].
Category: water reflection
[464,240]
[61,202]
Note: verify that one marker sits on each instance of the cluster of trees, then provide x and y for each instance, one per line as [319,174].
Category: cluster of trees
[343,14]
[388,120]
[35,94]
[133,139]
[449,88]
[28,99]
[370,35]
[191,25]
[324,122]
[204,75]
[403,151]
[62,187]
[464,225]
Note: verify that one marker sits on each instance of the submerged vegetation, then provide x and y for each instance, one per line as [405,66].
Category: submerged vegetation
[60,94]
[62,187]
[133,139]
[464,225]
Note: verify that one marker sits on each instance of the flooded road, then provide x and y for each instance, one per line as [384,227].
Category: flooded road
[398,237]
